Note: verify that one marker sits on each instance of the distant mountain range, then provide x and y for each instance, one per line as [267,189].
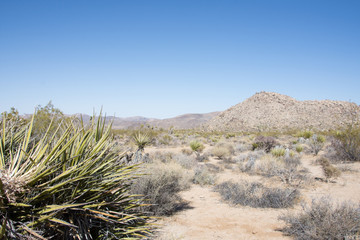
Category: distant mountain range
[185,121]
[263,111]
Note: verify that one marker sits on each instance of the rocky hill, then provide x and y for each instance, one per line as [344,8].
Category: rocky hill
[266,111]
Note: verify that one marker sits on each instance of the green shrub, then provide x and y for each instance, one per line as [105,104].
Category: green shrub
[299,148]
[278,152]
[66,186]
[305,134]
[347,143]
[323,220]
[141,139]
[197,146]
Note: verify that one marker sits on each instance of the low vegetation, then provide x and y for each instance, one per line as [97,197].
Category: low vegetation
[324,220]
[256,195]
[158,188]
[67,185]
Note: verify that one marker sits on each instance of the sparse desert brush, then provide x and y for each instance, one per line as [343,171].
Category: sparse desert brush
[299,148]
[66,186]
[305,134]
[317,143]
[324,220]
[256,195]
[328,169]
[186,151]
[203,176]
[278,151]
[347,143]
[197,146]
[165,139]
[221,152]
[287,169]
[186,161]
[264,142]
[159,187]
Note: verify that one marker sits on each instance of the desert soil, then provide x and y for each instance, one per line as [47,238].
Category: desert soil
[209,217]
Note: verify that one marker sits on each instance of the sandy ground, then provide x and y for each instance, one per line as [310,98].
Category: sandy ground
[208,217]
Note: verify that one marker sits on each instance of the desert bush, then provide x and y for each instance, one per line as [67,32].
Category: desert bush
[66,186]
[288,169]
[316,143]
[264,142]
[299,148]
[324,220]
[278,151]
[242,147]
[185,161]
[159,187]
[347,143]
[164,157]
[256,195]
[213,168]
[220,152]
[186,151]
[203,176]
[305,134]
[328,169]
[196,146]
[165,140]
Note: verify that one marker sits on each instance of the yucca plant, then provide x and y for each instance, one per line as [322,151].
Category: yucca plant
[141,139]
[66,186]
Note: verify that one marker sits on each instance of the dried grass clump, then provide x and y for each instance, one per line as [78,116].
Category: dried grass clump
[323,220]
[256,195]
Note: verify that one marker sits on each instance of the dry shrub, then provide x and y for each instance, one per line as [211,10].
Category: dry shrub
[288,169]
[256,195]
[159,187]
[324,220]
[185,161]
[186,151]
[347,143]
[203,176]
[329,170]
[264,142]
[220,152]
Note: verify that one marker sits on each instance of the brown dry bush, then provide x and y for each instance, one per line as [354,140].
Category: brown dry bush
[323,220]
[264,142]
[328,169]
[159,186]
[256,195]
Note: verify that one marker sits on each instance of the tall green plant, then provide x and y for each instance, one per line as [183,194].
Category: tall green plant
[67,185]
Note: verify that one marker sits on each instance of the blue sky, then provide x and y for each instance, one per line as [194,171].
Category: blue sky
[165,58]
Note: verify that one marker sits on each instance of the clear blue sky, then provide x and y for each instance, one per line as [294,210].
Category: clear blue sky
[166,58]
